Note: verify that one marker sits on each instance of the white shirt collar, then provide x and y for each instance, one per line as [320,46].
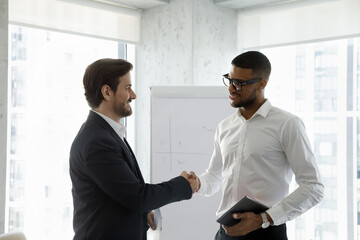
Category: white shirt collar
[262,111]
[118,127]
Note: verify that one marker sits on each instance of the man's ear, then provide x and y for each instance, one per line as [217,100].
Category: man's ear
[106,92]
[262,84]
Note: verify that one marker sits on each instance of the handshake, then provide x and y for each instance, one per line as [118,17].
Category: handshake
[192,179]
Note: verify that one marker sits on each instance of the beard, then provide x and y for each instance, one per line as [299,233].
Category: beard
[245,103]
[121,110]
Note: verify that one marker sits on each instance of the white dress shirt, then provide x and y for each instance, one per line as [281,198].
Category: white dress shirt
[258,157]
[118,127]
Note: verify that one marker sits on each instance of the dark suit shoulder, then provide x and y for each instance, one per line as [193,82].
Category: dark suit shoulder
[95,127]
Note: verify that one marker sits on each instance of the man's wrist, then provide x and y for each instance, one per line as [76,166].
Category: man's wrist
[269,219]
[265,221]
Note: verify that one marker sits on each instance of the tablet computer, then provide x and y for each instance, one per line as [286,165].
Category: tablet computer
[246,204]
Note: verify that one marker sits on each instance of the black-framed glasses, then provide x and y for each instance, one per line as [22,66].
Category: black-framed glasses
[237,83]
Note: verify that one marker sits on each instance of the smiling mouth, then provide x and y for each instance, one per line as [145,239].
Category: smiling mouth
[233,96]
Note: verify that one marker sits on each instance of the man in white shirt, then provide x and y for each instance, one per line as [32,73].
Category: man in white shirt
[256,152]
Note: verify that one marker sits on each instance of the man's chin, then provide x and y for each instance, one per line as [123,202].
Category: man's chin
[129,113]
[234,105]
[126,113]
[129,110]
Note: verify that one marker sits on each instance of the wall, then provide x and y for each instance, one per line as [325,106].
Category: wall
[187,42]
[3,106]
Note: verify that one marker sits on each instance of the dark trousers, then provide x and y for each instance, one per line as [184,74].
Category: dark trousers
[270,233]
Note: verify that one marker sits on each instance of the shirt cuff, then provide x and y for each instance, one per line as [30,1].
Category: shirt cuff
[277,215]
[203,186]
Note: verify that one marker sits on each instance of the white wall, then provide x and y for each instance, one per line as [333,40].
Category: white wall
[3,106]
[187,42]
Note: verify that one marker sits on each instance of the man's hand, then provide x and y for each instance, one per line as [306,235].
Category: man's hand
[192,175]
[192,179]
[151,220]
[184,174]
[249,222]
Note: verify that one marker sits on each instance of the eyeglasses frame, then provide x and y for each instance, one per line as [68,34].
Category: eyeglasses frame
[240,82]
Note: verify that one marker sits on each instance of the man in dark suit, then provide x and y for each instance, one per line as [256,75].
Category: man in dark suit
[111,199]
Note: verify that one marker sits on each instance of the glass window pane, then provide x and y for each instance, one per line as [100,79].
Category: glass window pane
[358,177]
[325,149]
[320,83]
[357,71]
[325,77]
[47,109]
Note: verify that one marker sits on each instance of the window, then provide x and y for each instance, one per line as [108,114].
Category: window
[320,82]
[46,110]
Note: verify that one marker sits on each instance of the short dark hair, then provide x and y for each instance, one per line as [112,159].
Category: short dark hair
[102,72]
[257,61]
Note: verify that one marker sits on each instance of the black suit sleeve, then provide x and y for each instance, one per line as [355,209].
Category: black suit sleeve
[105,164]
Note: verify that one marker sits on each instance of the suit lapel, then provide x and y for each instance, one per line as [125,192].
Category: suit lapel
[130,157]
[134,158]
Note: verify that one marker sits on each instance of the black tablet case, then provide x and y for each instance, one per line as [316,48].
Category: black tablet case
[246,204]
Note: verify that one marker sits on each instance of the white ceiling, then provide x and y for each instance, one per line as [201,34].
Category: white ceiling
[243,4]
[235,4]
[252,4]
[134,4]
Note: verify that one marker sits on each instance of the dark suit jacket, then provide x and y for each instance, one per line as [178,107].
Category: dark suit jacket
[111,199]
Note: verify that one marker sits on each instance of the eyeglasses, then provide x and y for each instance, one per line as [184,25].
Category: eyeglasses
[237,83]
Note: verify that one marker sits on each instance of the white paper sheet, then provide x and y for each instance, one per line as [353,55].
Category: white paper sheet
[155,234]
